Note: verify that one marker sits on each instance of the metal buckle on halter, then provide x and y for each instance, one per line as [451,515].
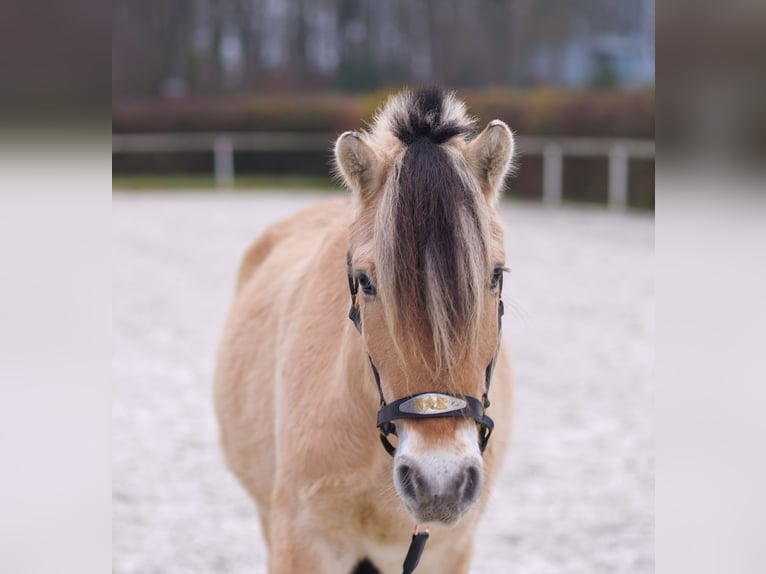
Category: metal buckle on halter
[354,313]
[485,431]
[353,285]
[385,430]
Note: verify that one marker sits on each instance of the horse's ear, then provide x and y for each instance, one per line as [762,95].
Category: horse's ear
[356,162]
[490,154]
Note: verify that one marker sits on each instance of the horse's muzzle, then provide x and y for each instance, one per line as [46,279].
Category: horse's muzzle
[438,493]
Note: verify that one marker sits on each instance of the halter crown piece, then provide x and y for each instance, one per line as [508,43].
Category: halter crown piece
[430,404]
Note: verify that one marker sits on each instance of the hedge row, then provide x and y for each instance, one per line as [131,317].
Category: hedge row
[603,113]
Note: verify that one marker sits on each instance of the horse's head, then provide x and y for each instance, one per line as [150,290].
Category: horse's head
[426,251]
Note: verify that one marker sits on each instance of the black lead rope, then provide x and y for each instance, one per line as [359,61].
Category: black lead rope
[416,550]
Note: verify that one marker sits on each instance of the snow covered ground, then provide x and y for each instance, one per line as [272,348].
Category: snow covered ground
[577,492]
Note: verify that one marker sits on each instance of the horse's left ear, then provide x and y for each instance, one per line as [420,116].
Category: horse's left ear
[357,163]
[490,155]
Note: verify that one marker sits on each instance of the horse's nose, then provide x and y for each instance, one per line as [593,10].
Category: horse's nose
[438,492]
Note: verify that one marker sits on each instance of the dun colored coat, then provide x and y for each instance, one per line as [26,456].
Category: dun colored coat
[294,391]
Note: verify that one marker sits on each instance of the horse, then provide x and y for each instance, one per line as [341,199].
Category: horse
[416,250]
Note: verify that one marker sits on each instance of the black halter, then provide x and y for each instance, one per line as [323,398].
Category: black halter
[429,404]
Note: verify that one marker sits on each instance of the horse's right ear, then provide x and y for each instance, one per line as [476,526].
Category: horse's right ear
[356,162]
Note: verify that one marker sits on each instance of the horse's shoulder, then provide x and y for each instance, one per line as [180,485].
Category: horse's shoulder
[306,225]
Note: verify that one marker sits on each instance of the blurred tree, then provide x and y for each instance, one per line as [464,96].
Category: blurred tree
[209,46]
[604,75]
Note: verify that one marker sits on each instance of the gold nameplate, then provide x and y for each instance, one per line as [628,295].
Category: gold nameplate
[432,403]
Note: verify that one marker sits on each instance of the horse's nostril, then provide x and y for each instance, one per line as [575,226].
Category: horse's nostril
[471,483]
[406,476]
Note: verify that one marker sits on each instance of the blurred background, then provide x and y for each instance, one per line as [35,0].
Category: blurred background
[252,93]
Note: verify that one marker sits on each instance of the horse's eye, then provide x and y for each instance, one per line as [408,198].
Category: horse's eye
[497,278]
[366,284]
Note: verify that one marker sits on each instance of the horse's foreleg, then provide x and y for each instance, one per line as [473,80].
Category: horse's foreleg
[292,547]
[296,545]
[300,553]
[462,564]
[292,540]
[455,560]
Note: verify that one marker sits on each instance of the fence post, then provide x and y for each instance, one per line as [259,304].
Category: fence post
[552,174]
[223,163]
[618,177]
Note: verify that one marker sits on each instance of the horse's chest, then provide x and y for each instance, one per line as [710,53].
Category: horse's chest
[376,522]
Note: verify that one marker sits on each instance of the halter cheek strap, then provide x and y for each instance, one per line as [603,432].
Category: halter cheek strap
[428,404]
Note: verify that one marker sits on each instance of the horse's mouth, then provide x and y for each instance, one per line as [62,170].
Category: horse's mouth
[436,511]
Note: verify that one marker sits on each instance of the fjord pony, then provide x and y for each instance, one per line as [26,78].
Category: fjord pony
[295,394]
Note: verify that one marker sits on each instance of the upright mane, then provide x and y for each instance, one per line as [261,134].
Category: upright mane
[431,231]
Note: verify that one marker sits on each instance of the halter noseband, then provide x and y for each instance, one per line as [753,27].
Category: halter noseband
[429,404]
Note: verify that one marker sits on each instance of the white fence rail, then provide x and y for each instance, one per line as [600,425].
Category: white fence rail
[553,151]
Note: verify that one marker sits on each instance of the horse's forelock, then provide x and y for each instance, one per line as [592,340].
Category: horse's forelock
[431,241]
